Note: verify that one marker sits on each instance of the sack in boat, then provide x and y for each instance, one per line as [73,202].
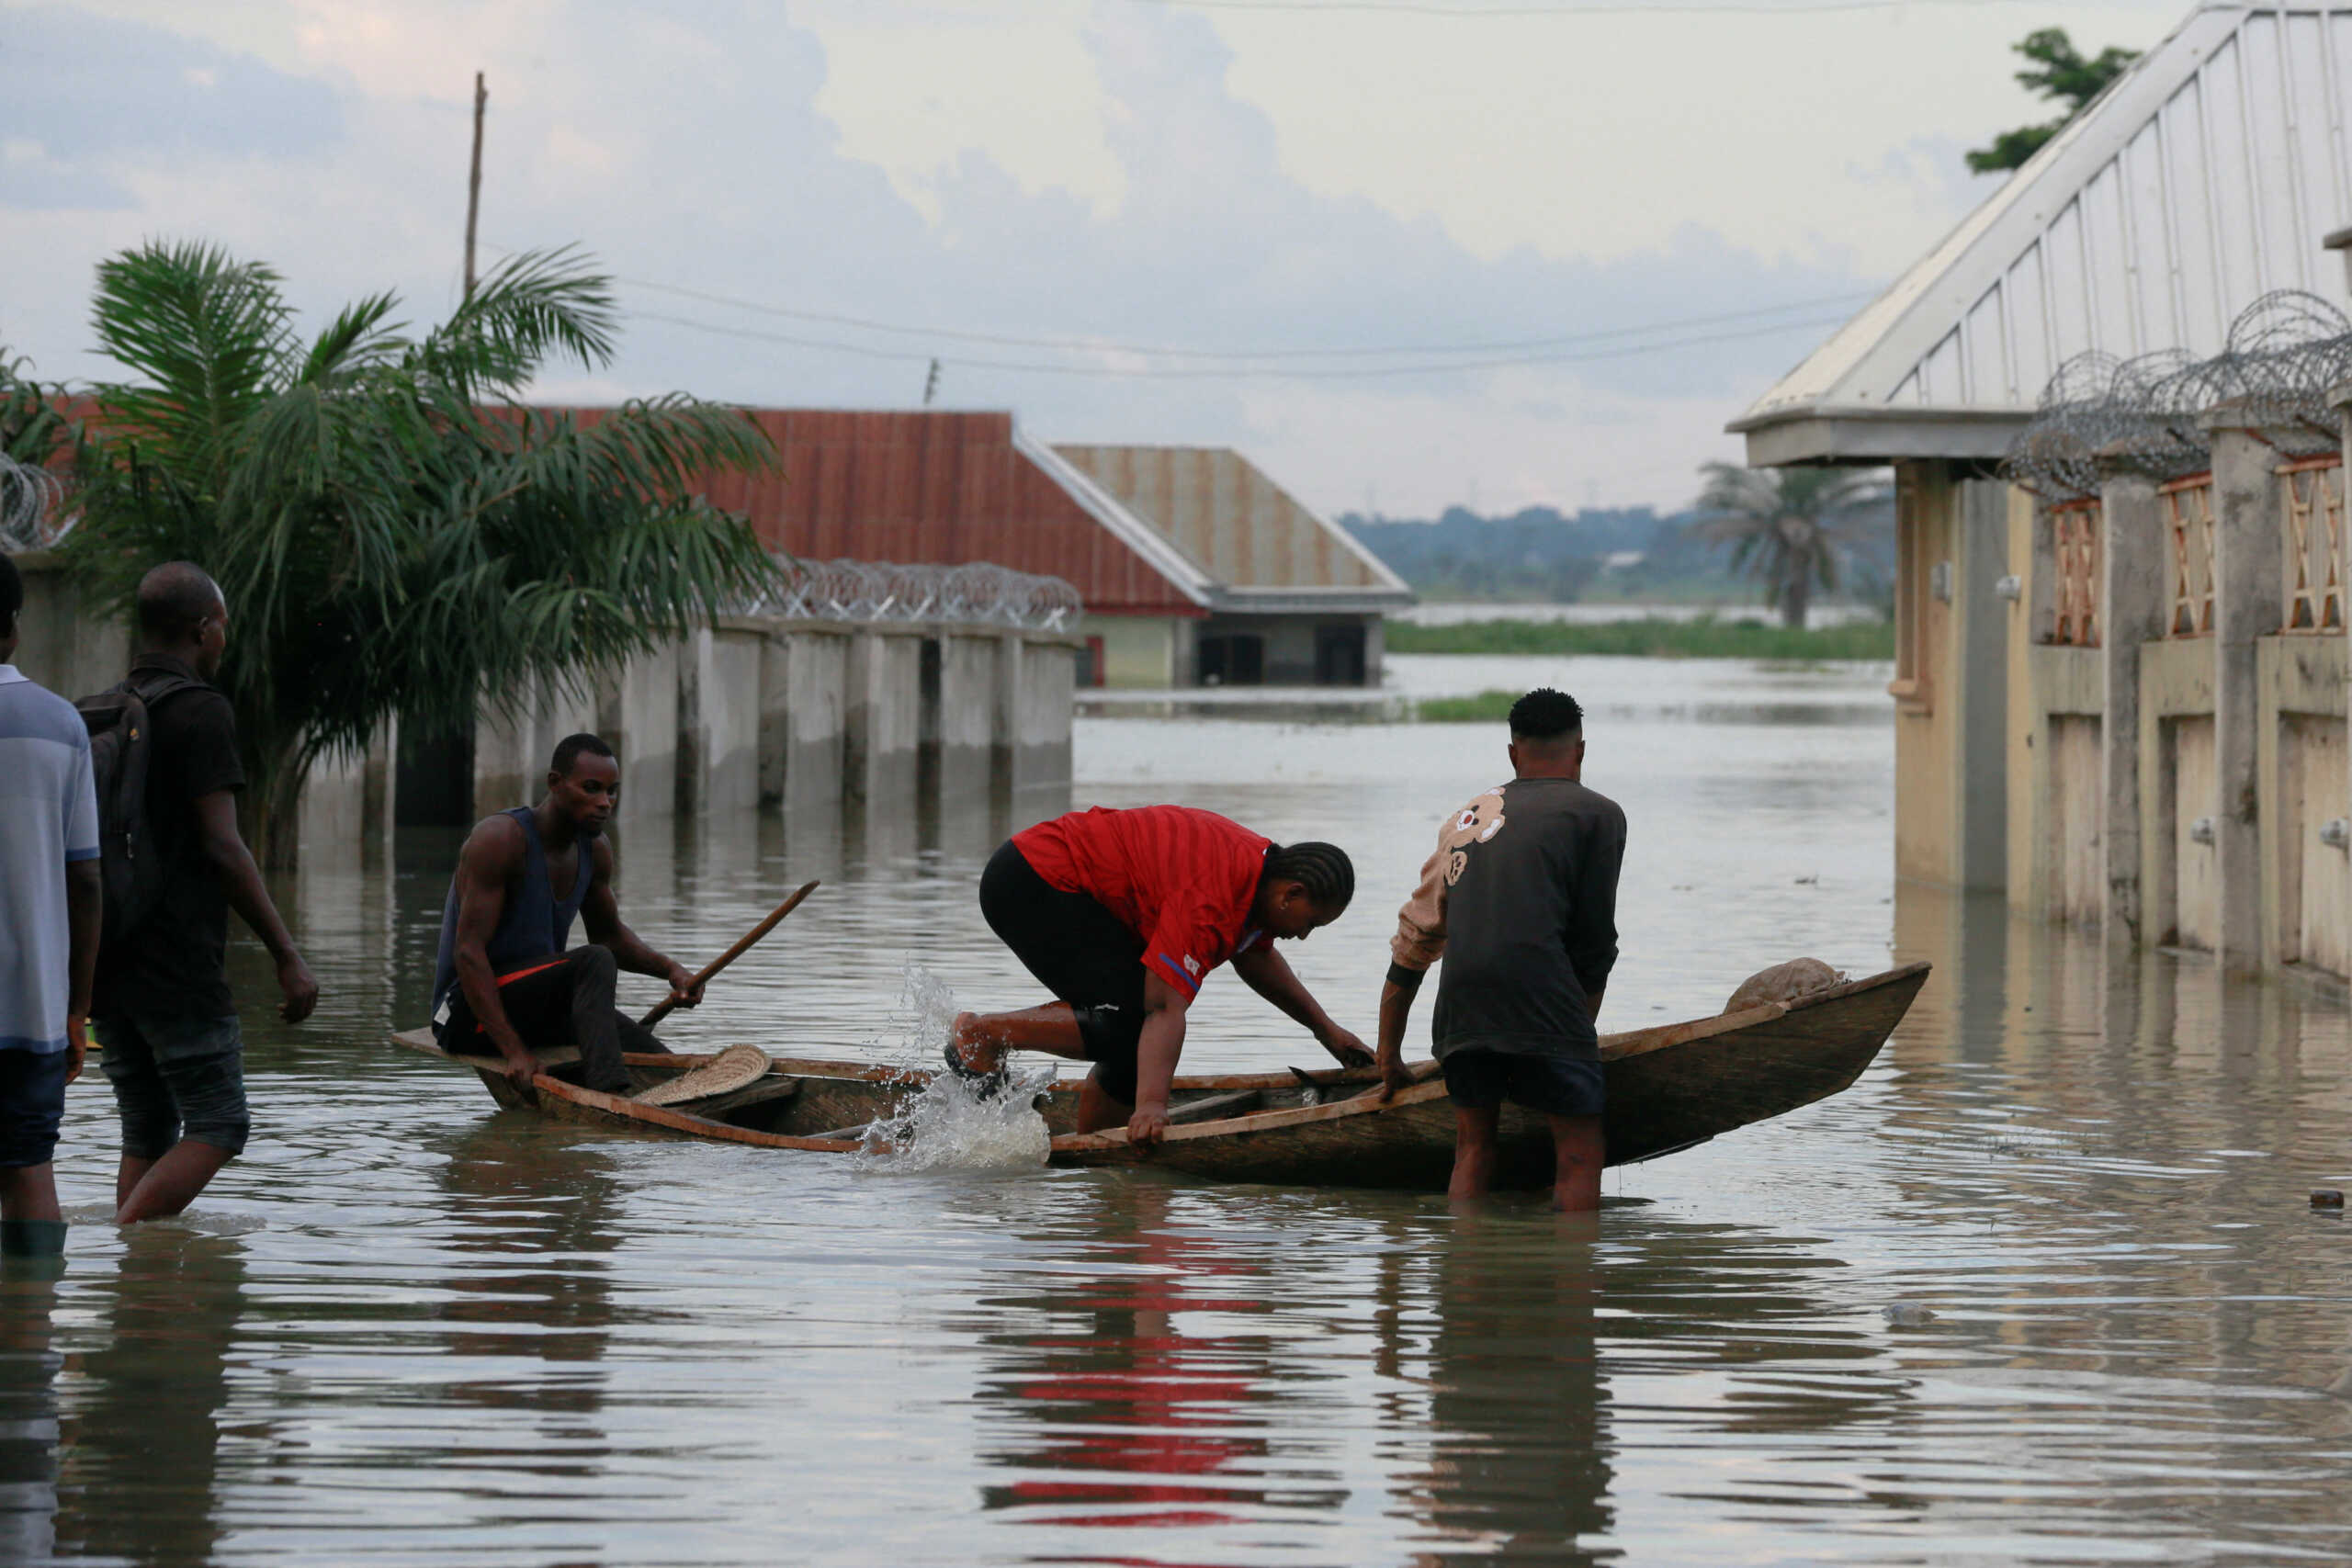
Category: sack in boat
[1784,983]
[733,1068]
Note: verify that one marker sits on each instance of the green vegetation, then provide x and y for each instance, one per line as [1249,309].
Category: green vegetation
[394,532]
[1786,526]
[2058,72]
[1651,637]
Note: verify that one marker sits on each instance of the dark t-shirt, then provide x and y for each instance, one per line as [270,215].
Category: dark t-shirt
[174,964]
[1521,901]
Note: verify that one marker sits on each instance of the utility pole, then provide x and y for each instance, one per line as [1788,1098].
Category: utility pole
[930,384]
[473,183]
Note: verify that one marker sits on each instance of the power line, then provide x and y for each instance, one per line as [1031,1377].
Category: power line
[1647,8]
[1148,373]
[1092,345]
[1165,351]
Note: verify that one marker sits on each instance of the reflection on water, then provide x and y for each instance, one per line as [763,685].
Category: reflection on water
[409,1328]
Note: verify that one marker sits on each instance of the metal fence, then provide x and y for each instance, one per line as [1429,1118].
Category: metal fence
[33,514]
[879,591]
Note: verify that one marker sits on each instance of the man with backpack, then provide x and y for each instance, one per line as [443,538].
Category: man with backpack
[49,933]
[166,741]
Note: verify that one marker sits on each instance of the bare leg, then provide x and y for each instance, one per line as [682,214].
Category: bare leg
[1474,1151]
[1578,1147]
[29,1192]
[982,1038]
[1098,1109]
[174,1181]
[128,1175]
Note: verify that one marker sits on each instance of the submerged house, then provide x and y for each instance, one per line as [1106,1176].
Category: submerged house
[1194,568]
[2110,398]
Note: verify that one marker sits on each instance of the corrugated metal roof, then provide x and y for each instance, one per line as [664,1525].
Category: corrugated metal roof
[916,486]
[2205,176]
[1249,535]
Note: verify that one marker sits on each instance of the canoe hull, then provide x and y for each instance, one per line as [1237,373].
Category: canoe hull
[1668,1088]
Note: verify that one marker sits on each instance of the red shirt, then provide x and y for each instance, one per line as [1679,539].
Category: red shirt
[1182,880]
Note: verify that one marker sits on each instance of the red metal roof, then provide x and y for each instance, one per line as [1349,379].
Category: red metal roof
[943,487]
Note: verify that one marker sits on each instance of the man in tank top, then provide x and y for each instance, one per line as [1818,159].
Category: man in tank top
[506,982]
[1519,900]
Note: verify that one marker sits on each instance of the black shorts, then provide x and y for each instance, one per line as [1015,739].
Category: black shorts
[1553,1086]
[1078,951]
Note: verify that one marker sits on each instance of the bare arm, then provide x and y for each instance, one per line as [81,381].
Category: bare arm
[1269,974]
[1419,942]
[1396,1012]
[491,859]
[216,827]
[1156,1054]
[84,912]
[600,912]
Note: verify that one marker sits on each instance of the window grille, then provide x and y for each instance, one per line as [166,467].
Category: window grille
[2311,492]
[2189,522]
[2076,527]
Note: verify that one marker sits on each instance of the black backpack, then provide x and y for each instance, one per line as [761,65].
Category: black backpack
[122,744]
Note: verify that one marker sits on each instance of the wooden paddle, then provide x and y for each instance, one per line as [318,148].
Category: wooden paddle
[661,1009]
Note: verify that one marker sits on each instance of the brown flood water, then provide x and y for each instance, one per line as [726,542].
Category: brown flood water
[2043,1288]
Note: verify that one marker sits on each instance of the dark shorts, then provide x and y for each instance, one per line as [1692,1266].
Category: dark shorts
[175,1077]
[32,1102]
[1079,952]
[1553,1086]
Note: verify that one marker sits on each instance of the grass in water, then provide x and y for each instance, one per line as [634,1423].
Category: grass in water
[1651,637]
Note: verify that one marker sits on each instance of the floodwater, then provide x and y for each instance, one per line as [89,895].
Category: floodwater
[2043,1288]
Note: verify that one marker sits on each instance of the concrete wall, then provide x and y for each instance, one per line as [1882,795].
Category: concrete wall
[74,654]
[512,750]
[1032,706]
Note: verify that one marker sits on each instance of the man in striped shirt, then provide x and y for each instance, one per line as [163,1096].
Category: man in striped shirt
[50,896]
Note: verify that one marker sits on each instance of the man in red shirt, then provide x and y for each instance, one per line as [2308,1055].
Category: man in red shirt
[1122,915]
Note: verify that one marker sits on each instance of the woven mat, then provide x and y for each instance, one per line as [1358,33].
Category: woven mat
[732,1069]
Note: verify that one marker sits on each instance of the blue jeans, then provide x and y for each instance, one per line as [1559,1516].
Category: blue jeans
[175,1077]
[33,1102]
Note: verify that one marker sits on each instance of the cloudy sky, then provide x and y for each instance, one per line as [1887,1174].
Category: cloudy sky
[1402,253]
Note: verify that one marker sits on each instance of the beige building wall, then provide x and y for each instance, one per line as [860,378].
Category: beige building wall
[2054,767]
[1952,678]
[1138,651]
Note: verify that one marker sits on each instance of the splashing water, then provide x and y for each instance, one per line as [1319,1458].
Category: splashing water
[947,1126]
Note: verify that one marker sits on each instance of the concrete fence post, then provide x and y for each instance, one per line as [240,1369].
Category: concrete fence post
[2248,603]
[885,715]
[2132,612]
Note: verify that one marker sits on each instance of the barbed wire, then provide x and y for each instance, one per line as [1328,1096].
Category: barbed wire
[979,592]
[2285,355]
[33,515]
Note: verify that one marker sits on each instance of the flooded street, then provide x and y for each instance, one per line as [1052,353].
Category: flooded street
[2043,1288]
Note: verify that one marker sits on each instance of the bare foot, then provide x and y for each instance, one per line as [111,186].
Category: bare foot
[971,1047]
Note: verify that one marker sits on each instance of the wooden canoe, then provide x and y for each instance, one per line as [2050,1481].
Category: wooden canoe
[1669,1087]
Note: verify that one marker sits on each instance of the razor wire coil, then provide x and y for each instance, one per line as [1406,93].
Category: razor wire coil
[33,513]
[978,591]
[2285,355]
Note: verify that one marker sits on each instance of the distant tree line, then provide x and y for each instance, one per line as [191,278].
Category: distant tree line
[1540,554]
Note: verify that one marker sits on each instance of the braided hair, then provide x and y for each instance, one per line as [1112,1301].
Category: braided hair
[1324,870]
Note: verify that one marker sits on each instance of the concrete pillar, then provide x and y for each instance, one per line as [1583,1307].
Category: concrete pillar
[812,663]
[636,714]
[961,714]
[1980,694]
[719,703]
[2248,603]
[2132,612]
[1038,709]
[884,716]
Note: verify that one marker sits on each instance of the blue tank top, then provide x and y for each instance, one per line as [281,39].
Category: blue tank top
[533,925]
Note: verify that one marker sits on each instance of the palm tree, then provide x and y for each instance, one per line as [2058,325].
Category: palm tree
[394,533]
[1785,526]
